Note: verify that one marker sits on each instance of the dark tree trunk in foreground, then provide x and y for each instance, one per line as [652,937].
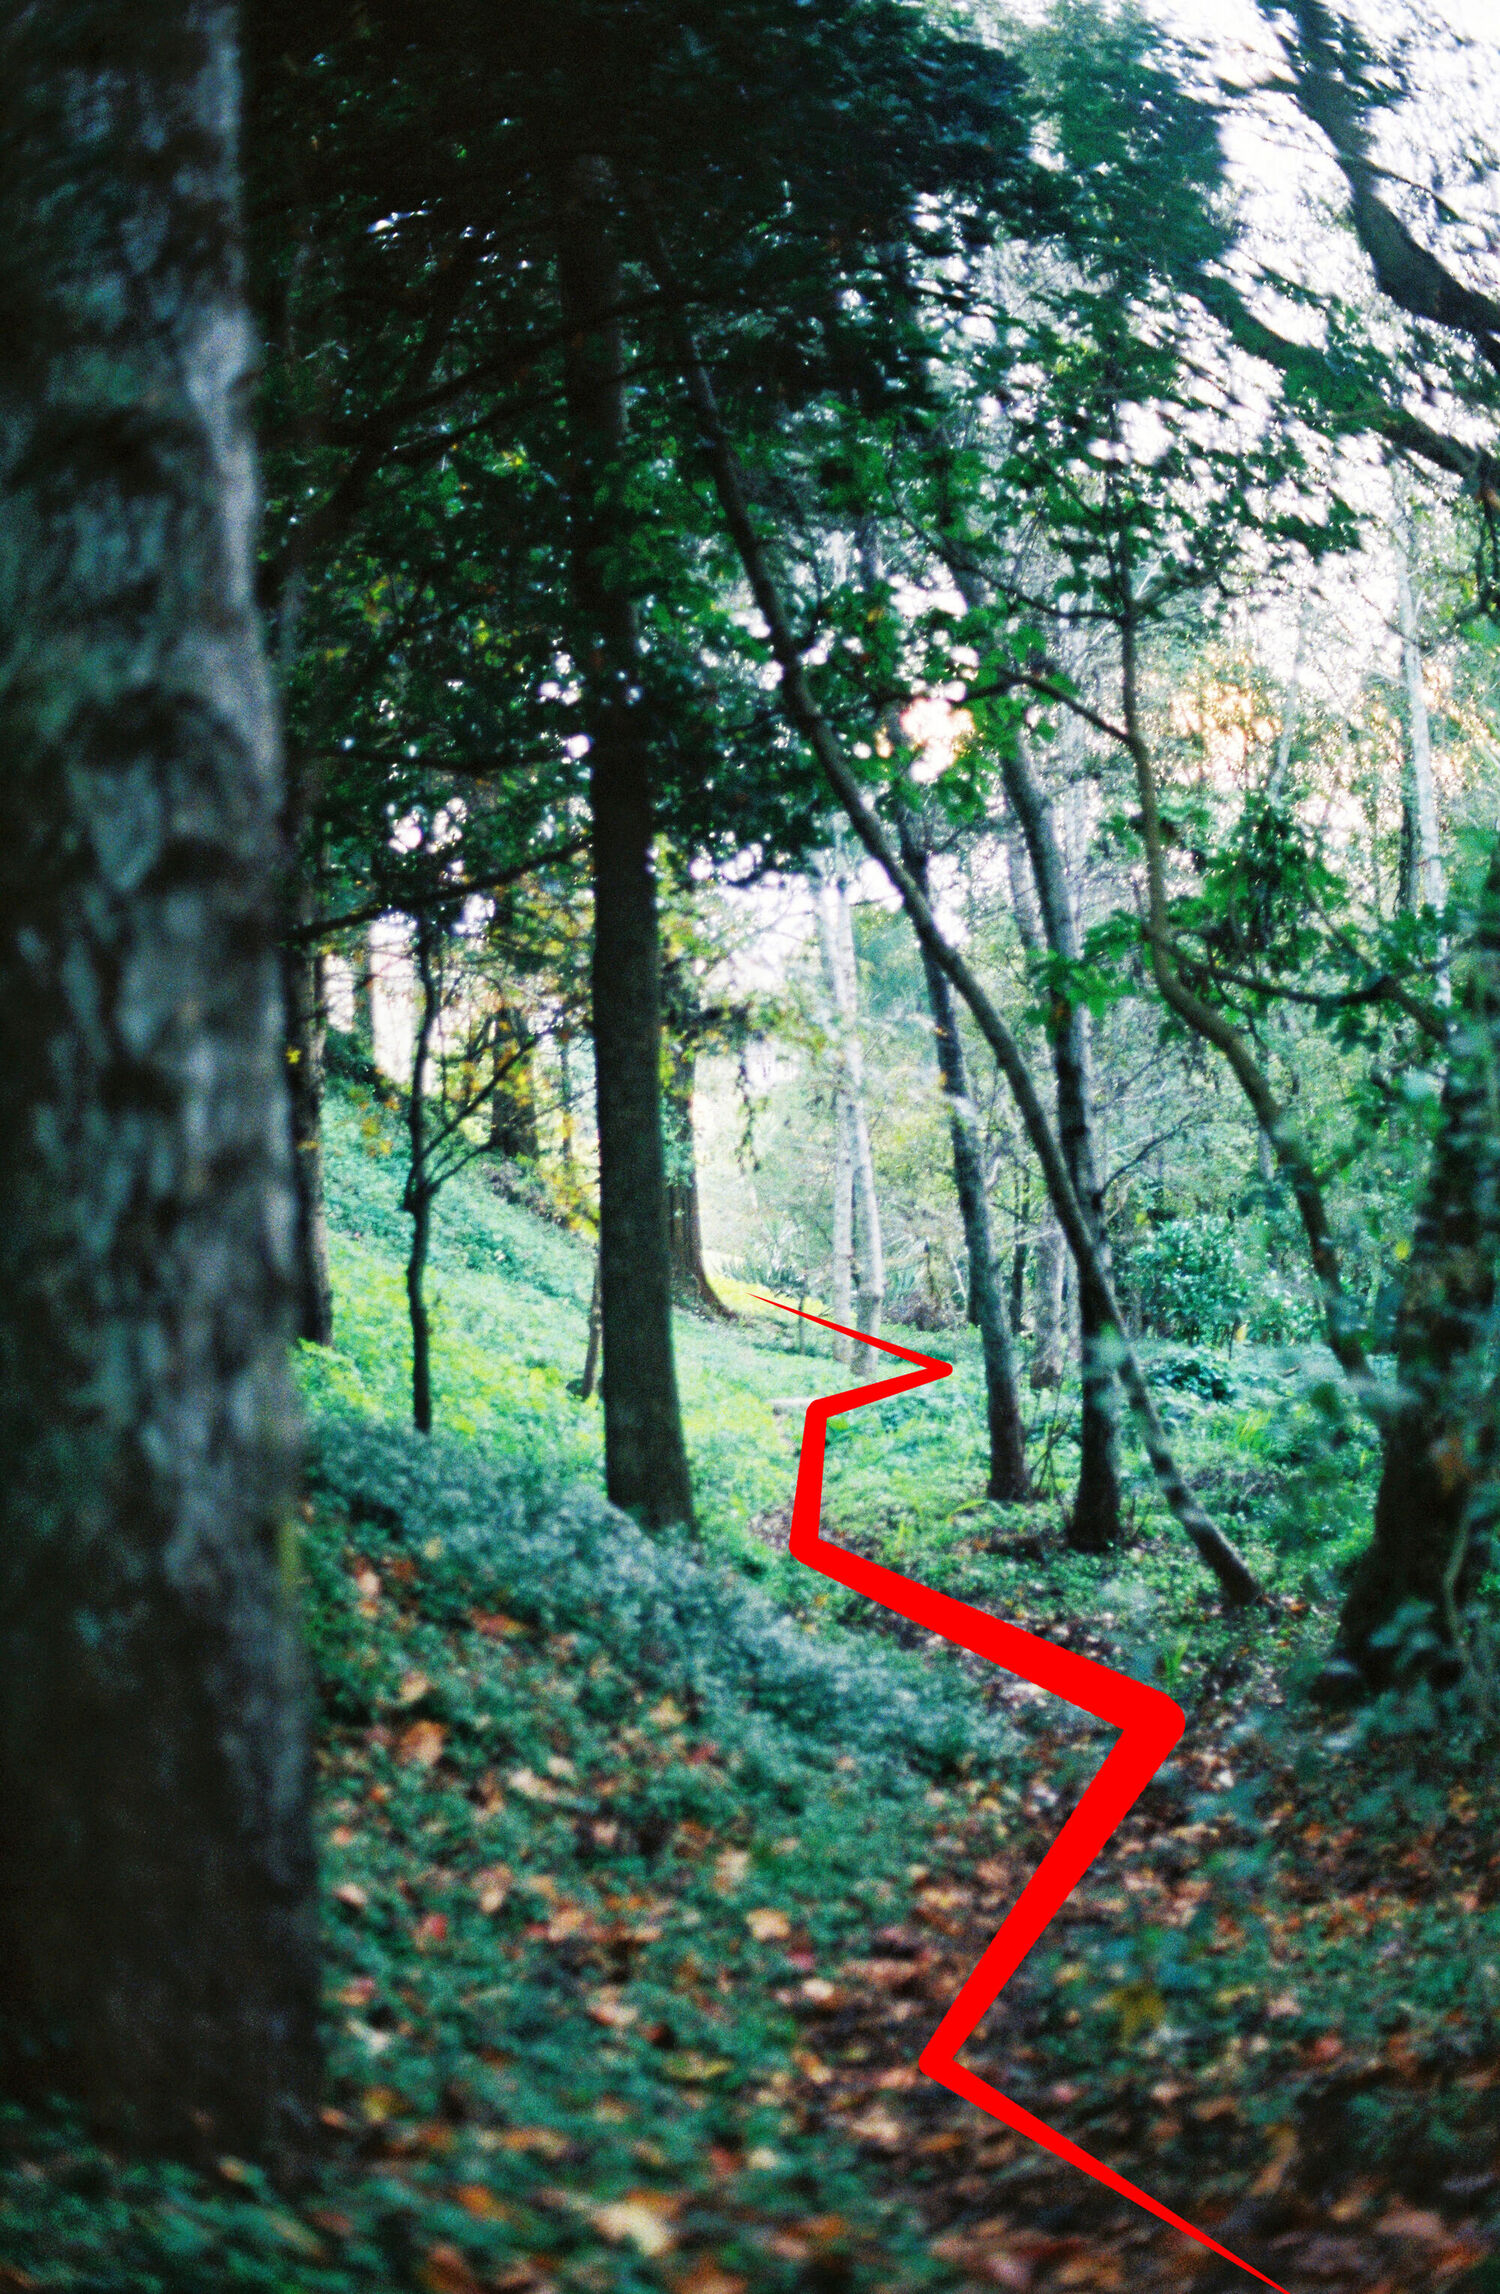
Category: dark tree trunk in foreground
[1009,1482]
[1437,1502]
[306,1034]
[158,1955]
[646,1467]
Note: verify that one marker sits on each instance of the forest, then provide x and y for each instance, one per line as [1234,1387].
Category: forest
[674,674]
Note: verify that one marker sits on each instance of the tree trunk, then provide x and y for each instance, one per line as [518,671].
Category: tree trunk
[591,1347]
[1436,1505]
[843,1220]
[1094,1523]
[417,1197]
[306,1032]
[1009,1482]
[1049,1339]
[362,965]
[646,1469]
[158,1921]
[867,1268]
[690,1282]
[1422,880]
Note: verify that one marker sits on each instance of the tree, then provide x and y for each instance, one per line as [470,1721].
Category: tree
[1009,1482]
[157,1915]
[646,1468]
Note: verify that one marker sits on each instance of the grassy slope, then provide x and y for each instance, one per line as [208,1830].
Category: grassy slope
[611,1825]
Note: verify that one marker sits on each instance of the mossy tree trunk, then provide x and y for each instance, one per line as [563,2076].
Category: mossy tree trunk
[158,1954]
[1437,1499]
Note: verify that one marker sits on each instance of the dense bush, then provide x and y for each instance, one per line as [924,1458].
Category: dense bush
[1204,1279]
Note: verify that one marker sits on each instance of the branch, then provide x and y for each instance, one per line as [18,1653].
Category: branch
[409,905]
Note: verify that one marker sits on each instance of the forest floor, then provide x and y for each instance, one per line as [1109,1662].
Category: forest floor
[651,1864]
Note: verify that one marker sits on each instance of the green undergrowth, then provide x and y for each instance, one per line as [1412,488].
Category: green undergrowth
[598,1808]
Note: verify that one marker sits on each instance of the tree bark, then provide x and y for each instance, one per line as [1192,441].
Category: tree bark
[158,1929]
[1437,1502]
[1094,1522]
[419,1190]
[306,1034]
[854,1163]
[1009,1481]
[1422,880]
[843,1219]
[646,1469]
[1049,1341]
[690,1282]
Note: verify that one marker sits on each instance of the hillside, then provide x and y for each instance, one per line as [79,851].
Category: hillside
[649,1868]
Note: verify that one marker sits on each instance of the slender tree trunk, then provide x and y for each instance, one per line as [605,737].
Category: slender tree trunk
[646,1468]
[1049,1340]
[869,1261]
[867,1269]
[362,964]
[1094,1523]
[306,1032]
[1009,1482]
[591,1347]
[843,1219]
[417,1199]
[690,1281]
[1422,877]
[158,1921]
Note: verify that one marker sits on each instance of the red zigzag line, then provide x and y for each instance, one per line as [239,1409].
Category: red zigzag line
[1149,1724]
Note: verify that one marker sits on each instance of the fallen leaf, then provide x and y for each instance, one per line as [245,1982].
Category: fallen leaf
[531,1786]
[1415,2223]
[352,1895]
[667,1714]
[379,2104]
[544,2142]
[494,1624]
[422,1744]
[1273,2175]
[492,1886]
[690,2068]
[706,2277]
[643,2218]
[767,1925]
[878,2125]
[446,2272]
[478,2199]
[414,1687]
[431,1929]
[615,2013]
[731,1870]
